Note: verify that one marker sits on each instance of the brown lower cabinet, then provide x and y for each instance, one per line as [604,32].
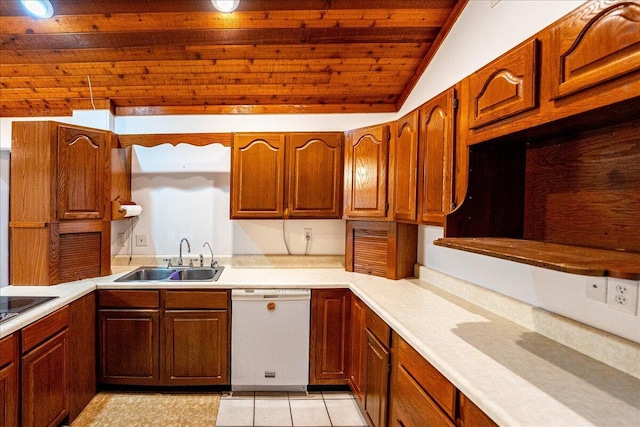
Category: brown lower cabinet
[329,342]
[395,386]
[376,392]
[9,390]
[163,337]
[45,370]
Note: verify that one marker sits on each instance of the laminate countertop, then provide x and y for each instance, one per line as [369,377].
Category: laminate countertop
[515,375]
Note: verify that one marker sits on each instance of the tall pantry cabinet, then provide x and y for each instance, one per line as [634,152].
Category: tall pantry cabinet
[60,190]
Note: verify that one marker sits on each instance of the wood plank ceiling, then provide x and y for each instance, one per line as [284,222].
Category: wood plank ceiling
[143,57]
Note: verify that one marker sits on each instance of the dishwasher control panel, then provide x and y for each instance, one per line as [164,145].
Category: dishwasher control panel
[280,293]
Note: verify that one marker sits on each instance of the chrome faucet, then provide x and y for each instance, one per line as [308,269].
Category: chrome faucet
[184,239]
[213,263]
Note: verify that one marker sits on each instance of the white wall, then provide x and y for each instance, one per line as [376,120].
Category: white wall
[184,192]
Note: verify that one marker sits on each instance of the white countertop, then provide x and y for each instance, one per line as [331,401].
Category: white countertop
[517,376]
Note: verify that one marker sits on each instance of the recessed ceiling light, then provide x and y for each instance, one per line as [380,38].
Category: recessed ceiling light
[226,6]
[38,8]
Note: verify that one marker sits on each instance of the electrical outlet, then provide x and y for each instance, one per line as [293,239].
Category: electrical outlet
[597,288]
[623,295]
[141,240]
[307,233]
[121,240]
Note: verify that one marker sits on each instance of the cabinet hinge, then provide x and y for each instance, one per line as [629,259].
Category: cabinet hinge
[386,207]
[455,103]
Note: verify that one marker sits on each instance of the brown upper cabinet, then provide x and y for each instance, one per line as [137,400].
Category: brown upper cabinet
[505,87]
[593,46]
[304,167]
[555,184]
[561,78]
[61,185]
[437,152]
[365,172]
[403,162]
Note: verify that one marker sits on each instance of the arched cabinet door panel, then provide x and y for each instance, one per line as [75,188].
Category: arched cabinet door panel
[82,171]
[404,169]
[257,183]
[437,138]
[505,87]
[596,45]
[366,162]
[314,165]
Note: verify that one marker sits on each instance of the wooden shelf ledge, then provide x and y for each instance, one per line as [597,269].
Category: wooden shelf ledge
[565,258]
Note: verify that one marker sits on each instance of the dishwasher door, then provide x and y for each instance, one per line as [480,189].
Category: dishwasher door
[270,339]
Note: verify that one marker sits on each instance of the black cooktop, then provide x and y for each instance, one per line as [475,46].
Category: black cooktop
[14,305]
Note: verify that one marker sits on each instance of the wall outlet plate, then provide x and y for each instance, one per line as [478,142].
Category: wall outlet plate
[141,240]
[596,288]
[622,295]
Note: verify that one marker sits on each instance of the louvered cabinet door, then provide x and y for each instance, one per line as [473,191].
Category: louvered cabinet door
[366,163]
[381,248]
[83,169]
[257,176]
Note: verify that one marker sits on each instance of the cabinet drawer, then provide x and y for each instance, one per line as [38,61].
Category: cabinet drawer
[37,332]
[378,327]
[197,299]
[7,349]
[413,407]
[428,377]
[124,299]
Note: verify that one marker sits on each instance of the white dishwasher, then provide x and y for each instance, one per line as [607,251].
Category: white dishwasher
[270,339]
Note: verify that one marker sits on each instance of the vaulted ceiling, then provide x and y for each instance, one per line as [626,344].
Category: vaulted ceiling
[142,57]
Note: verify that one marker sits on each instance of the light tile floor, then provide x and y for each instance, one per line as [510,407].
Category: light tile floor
[314,409]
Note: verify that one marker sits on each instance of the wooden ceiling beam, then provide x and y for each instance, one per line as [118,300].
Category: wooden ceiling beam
[363,65]
[218,37]
[194,79]
[92,7]
[256,109]
[226,52]
[274,19]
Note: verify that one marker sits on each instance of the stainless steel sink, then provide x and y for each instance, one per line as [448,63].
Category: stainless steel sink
[173,274]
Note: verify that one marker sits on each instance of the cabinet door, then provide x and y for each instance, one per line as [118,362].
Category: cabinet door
[45,382]
[437,138]
[257,181]
[404,169]
[82,345]
[83,167]
[329,348]
[472,416]
[196,347]
[129,347]
[505,87]
[315,175]
[9,390]
[366,158]
[597,43]
[357,350]
[376,391]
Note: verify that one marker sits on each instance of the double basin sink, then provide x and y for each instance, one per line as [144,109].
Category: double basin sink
[173,274]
